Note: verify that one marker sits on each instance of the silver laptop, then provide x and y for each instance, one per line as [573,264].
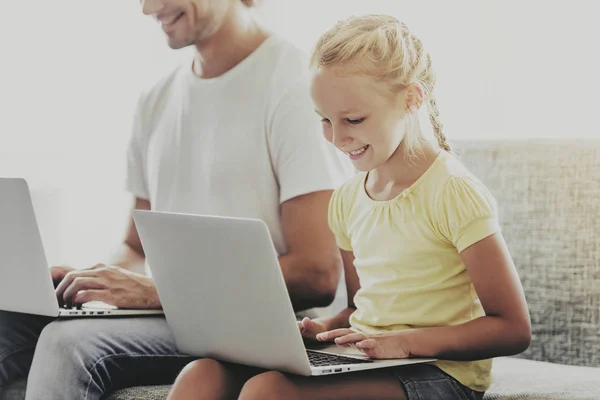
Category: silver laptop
[25,281]
[224,296]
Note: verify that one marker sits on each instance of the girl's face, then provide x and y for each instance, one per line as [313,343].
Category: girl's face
[359,116]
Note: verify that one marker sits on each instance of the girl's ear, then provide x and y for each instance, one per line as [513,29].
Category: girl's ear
[414,98]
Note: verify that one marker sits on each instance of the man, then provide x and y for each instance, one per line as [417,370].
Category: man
[231,133]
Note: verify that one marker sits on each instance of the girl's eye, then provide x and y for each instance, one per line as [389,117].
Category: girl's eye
[355,121]
[325,121]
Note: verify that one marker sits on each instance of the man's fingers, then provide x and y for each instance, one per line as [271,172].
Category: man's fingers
[69,278]
[82,283]
[58,273]
[63,285]
[86,296]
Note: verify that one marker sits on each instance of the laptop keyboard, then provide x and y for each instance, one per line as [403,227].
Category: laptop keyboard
[324,360]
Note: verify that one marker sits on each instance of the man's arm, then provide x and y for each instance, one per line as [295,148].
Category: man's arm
[131,254]
[307,169]
[312,266]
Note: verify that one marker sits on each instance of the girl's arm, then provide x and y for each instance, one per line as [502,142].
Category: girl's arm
[341,320]
[504,330]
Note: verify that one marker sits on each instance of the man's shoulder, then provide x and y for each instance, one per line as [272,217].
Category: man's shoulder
[288,54]
[157,91]
[288,65]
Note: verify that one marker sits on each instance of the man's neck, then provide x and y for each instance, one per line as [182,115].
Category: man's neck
[238,37]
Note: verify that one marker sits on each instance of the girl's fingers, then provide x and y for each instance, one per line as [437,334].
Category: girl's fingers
[331,335]
[366,344]
[308,328]
[351,338]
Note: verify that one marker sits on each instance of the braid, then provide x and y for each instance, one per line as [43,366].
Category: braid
[419,67]
[438,128]
[427,78]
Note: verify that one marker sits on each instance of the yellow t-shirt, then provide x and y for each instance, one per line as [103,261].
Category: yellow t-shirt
[407,254]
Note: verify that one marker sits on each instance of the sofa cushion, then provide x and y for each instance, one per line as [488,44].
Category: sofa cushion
[516,379]
[141,393]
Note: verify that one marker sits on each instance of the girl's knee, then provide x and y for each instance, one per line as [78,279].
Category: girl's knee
[198,378]
[267,386]
[200,369]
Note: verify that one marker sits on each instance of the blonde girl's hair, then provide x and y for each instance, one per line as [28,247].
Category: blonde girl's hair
[384,48]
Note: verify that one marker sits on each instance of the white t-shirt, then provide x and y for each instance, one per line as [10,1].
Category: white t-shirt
[240,144]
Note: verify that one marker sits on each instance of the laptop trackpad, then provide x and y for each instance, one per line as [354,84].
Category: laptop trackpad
[333,349]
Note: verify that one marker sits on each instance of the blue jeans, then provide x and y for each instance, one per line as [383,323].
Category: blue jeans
[86,358]
[426,381]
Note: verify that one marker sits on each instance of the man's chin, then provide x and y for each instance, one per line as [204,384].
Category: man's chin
[177,44]
[180,41]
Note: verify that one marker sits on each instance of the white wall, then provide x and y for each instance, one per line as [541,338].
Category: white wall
[505,68]
[70,72]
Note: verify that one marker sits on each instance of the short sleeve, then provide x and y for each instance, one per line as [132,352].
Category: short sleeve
[337,221]
[135,178]
[302,159]
[467,212]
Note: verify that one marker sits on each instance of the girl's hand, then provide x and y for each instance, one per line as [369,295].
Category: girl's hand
[386,345]
[310,329]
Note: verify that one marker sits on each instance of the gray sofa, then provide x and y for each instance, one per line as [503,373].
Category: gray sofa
[548,192]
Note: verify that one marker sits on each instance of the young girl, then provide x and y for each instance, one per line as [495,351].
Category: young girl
[427,270]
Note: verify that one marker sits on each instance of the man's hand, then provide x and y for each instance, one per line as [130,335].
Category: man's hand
[109,284]
[381,346]
[58,273]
